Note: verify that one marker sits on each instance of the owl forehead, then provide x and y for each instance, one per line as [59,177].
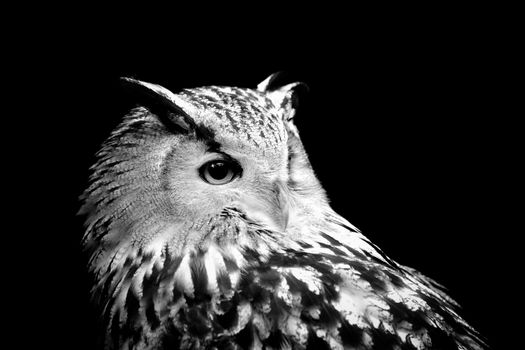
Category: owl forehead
[245,115]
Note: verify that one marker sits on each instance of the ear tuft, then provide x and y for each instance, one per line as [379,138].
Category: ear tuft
[161,102]
[272,82]
[286,98]
[295,91]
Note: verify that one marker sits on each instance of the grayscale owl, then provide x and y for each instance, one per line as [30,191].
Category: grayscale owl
[206,228]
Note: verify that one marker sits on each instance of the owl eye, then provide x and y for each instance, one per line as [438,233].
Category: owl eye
[219,172]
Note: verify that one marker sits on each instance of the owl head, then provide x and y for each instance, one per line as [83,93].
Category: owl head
[184,169]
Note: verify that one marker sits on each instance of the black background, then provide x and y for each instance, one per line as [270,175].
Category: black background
[403,125]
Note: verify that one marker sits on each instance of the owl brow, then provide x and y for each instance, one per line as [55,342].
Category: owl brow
[207,135]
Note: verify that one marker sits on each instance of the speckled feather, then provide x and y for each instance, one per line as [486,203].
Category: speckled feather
[228,280]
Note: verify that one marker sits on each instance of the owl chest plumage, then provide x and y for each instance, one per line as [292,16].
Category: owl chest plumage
[272,293]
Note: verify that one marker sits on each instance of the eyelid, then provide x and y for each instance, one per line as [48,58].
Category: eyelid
[210,156]
[221,156]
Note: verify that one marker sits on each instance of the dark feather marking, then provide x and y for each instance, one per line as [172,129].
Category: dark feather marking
[349,228]
[115,329]
[401,312]
[233,123]
[231,265]
[418,319]
[336,259]
[371,276]
[172,116]
[304,244]
[252,254]
[316,343]
[329,278]
[384,340]
[441,340]
[245,337]
[132,306]
[197,320]
[151,316]
[329,286]
[111,164]
[103,293]
[207,135]
[308,298]
[269,278]
[450,319]
[171,339]
[334,242]
[199,277]
[225,344]
[359,255]
[278,307]
[224,283]
[333,248]
[136,125]
[177,295]
[276,339]
[99,175]
[295,285]
[328,316]
[350,335]
[171,264]
[391,262]
[256,294]
[126,144]
[131,272]
[149,291]
[129,260]
[394,279]
[231,316]
[225,305]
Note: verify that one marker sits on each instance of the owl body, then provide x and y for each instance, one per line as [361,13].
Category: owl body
[207,228]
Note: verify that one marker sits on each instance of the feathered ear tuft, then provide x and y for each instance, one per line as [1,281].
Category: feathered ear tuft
[285,97]
[161,102]
[272,82]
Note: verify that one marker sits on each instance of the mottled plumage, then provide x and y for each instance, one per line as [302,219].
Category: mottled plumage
[260,261]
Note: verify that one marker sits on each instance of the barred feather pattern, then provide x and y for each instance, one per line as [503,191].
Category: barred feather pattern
[261,293]
[240,284]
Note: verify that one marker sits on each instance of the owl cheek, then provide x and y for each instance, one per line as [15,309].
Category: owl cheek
[204,201]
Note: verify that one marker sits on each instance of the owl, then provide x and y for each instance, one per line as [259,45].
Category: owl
[206,228]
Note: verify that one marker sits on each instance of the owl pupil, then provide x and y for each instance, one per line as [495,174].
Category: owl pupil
[218,170]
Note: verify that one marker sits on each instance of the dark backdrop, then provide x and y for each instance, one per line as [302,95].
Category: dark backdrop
[401,125]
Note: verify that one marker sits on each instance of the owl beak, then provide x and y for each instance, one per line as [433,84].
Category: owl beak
[283,211]
[271,211]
